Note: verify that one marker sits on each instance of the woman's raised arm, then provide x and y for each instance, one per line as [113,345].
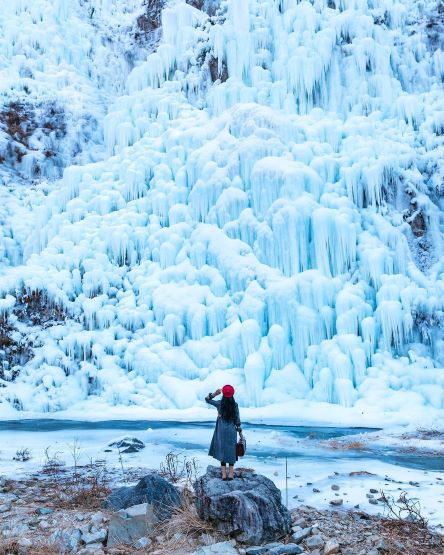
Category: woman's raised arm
[210,396]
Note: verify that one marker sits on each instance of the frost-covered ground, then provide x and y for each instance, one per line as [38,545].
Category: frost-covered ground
[314,457]
[255,199]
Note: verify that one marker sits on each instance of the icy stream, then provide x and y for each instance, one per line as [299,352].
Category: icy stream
[313,463]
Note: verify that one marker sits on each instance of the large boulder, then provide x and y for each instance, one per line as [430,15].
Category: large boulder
[248,508]
[162,496]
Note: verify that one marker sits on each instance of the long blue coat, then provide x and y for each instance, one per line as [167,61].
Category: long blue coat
[223,444]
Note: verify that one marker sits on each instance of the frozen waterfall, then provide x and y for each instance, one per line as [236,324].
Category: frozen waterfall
[266,210]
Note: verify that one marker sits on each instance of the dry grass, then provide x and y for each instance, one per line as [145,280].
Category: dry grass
[9,547]
[184,527]
[342,445]
[413,538]
[425,434]
[12,547]
[86,488]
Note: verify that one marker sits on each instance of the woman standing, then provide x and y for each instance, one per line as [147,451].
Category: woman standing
[223,444]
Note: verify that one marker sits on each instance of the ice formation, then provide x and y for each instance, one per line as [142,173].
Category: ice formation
[266,208]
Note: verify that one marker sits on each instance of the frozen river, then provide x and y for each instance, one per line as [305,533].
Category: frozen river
[314,457]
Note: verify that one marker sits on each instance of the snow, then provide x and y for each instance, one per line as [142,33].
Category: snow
[313,463]
[279,229]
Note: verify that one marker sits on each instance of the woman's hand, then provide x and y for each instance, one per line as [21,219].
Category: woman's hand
[217,392]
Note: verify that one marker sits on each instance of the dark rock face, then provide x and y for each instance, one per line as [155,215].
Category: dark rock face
[152,489]
[128,445]
[248,507]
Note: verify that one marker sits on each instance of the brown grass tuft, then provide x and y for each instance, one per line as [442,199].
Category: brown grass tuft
[184,527]
[342,445]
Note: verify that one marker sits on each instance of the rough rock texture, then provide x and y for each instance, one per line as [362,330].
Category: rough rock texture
[221,548]
[276,549]
[151,489]
[248,508]
[132,524]
[128,445]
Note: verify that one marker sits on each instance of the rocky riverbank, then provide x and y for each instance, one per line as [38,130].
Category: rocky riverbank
[74,511]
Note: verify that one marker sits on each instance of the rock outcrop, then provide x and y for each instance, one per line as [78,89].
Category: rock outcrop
[128,445]
[162,496]
[248,508]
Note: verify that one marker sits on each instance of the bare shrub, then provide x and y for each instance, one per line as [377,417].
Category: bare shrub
[86,487]
[403,508]
[179,469]
[22,455]
[53,464]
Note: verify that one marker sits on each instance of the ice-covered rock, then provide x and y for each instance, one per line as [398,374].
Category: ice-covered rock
[128,445]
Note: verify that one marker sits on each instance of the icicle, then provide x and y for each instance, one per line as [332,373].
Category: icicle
[254,371]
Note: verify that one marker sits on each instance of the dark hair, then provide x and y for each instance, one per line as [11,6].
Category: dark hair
[228,409]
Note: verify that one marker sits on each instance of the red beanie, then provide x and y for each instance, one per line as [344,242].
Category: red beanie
[228,391]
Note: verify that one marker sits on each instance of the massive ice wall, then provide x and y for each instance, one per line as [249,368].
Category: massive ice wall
[268,212]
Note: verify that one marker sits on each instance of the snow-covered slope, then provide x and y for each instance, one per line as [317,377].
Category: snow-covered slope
[265,207]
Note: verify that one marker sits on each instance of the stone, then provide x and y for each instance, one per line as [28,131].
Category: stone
[151,489]
[373,490]
[207,539]
[373,501]
[331,547]
[261,549]
[142,543]
[44,510]
[286,549]
[316,490]
[300,522]
[336,502]
[382,547]
[335,487]
[248,508]
[297,537]
[95,537]
[8,497]
[67,540]
[43,524]
[131,524]
[25,544]
[97,519]
[5,507]
[128,445]
[92,549]
[220,548]
[370,495]
[314,542]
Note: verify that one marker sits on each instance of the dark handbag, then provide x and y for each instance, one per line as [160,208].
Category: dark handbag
[241,446]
